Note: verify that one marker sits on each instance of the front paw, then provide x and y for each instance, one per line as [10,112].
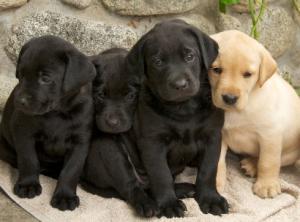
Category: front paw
[65,202]
[27,190]
[143,204]
[266,188]
[175,208]
[212,202]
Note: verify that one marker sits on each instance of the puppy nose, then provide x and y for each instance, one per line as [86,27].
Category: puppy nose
[24,100]
[180,84]
[112,120]
[229,99]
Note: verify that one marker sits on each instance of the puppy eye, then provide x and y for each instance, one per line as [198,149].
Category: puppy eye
[189,57]
[157,61]
[44,79]
[130,96]
[247,75]
[217,70]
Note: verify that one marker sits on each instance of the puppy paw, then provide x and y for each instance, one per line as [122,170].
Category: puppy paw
[143,204]
[29,190]
[266,188]
[213,203]
[64,202]
[249,166]
[174,208]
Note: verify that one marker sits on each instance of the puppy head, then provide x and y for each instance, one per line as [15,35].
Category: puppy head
[115,92]
[242,66]
[49,69]
[174,58]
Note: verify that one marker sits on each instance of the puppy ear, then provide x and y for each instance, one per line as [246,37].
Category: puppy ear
[135,60]
[208,47]
[268,66]
[79,71]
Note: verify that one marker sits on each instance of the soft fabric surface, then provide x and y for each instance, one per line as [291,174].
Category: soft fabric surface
[244,206]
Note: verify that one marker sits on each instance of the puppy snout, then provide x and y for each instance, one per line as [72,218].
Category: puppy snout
[24,100]
[112,120]
[180,84]
[229,99]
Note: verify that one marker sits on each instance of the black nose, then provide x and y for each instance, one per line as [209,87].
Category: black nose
[180,84]
[24,101]
[229,99]
[112,120]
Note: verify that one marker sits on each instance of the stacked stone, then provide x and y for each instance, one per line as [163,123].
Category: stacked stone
[95,25]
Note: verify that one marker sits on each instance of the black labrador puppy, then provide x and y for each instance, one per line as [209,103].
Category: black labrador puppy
[108,170]
[47,120]
[176,123]
[113,167]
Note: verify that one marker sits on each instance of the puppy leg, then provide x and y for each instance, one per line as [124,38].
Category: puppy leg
[221,173]
[207,197]
[267,184]
[122,177]
[249,166]
[27,185]
[154,157]
[64,197]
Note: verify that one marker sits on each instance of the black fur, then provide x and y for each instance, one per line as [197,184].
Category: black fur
[47,120]
[176,124]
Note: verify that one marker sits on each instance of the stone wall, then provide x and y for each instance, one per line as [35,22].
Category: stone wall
[95,25]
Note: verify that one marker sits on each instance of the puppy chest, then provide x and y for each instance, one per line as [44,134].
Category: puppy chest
[56,141]
[182,146]
[241,141]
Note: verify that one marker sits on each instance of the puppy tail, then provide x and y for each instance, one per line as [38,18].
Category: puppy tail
[103,192]
[184,190]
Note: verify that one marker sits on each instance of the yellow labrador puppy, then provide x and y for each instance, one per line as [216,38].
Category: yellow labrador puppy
[262,111]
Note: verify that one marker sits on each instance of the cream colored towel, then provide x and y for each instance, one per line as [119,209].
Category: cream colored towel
[244,206]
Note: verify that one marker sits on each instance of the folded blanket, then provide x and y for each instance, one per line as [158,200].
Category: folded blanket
[244,206]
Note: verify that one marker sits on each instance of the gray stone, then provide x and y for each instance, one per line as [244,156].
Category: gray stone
[276,29]
[228,22]
[88,36]
[296,16]
[243,7]
[150,7]
[200,22]
[7,4]
[81,4]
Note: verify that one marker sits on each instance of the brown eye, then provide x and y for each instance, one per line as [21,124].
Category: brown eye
[44,79]
[247,75]
[189,57]
[217,70]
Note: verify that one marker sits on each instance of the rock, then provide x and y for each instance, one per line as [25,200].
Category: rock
[227,22]
[296,16]
[7,84]
[200,22]
[242,7]
[6,4]
[150,7]
[277,30]
[81,4]
[88,36]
